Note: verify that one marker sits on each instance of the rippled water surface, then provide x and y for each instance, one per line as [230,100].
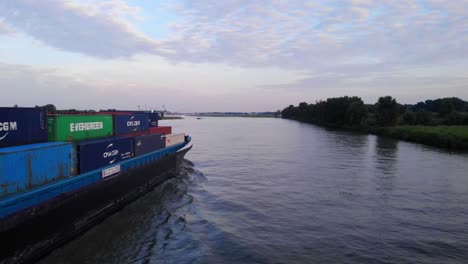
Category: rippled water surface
[279,191]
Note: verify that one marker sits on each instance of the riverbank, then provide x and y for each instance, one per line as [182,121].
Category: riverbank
[448,137]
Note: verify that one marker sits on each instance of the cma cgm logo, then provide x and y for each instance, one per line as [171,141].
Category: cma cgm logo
[132,123]
[110,153]
[6,127]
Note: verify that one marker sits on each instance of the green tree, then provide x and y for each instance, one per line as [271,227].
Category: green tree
[357,113]
[446,107]
[423,118]
[50,108]
[409,118]
[289,112]
[302,111]
[387,111]
[454,118]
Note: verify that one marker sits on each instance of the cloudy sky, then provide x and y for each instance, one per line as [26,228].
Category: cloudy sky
[229,55]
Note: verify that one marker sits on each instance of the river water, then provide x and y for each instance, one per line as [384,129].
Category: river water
[264,190]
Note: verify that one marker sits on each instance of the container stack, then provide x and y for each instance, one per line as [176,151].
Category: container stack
[161,130]
[153,119]
[98,153]
[79,127]
[20,126]
[128,124]
[148,143]
[36,149]
[26,167]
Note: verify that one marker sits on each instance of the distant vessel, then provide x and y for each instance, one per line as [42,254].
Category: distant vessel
[52,191]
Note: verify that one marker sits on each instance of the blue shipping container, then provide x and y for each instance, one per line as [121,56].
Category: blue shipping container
[153,119]
[26,167]
[148,143]
[20,126]
[98,153]
[126,124]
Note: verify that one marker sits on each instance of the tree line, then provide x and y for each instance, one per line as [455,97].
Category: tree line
[353,112]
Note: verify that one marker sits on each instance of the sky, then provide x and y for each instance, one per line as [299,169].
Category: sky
[229,55]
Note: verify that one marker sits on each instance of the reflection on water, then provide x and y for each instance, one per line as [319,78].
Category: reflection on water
[280,191]
[386,150]
[386,159]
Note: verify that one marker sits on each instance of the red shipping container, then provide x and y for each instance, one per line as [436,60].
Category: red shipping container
[161,130]
[135,134]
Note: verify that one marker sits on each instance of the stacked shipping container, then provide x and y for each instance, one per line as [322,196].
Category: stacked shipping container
[79,127]
[94,154]
[29,166]
[126,124]
[19,126]
[161,130]
[148,143]
[153,119]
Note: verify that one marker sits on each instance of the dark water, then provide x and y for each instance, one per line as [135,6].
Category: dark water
[278,191]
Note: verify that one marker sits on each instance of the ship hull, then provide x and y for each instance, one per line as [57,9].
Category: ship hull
[37,232]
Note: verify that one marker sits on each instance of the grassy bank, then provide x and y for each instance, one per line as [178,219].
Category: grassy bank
[450,137]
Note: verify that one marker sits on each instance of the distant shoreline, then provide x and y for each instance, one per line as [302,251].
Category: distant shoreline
[248,116]
[236,114]
[171,117]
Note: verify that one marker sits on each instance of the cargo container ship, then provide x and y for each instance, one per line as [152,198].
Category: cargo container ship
[60,174]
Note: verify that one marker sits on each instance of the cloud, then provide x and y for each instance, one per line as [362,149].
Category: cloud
[5,29]
[28,86]
[338,46]
[288,34]
[298,34]
[93,28]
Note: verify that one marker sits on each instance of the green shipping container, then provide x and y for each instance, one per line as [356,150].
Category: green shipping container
[79,127]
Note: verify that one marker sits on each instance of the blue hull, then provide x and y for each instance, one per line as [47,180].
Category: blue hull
[34,223]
